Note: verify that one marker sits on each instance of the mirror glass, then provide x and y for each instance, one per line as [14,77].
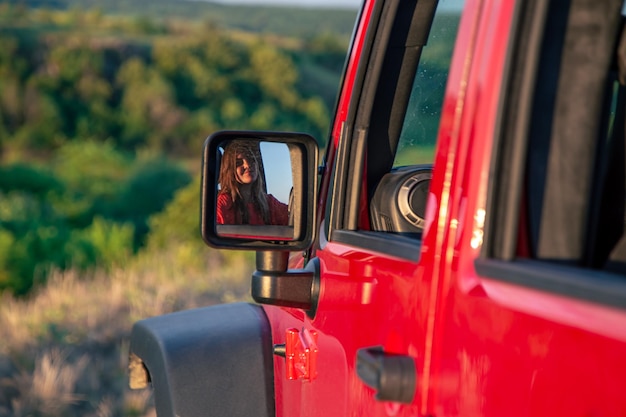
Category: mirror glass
[255,190]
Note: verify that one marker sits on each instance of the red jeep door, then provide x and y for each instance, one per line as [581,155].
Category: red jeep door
[366,350]
[531,314]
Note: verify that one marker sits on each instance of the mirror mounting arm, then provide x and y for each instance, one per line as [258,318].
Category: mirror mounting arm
[273,284]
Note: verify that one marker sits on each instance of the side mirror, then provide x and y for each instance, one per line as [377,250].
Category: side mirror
[258,190]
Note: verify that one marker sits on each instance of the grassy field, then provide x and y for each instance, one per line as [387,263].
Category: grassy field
[64,350]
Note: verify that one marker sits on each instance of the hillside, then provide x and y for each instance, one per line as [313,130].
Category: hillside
[103,116]
[104,106]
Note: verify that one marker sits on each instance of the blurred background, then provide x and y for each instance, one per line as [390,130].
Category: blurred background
[104,107]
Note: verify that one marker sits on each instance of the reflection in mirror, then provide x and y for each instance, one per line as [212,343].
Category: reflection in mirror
[255,187]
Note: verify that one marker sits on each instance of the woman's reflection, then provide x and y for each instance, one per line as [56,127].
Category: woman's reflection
[243,198]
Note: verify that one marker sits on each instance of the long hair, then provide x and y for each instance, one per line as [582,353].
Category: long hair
[229,184]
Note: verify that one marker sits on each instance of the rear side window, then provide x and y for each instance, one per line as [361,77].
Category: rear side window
[556,214]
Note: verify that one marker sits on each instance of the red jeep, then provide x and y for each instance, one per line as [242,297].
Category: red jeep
[459,250]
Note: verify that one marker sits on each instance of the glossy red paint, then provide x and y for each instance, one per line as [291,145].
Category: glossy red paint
[371,300]
[343,105]
[471,337]
[358,306]
[489,331]
[355,52]
[301,354]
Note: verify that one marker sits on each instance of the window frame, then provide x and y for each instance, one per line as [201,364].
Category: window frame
[383,87]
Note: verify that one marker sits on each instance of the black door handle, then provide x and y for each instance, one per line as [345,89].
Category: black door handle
[392,376]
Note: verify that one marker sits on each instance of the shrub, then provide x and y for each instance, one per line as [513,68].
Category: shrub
[147,191]
[103,244]
[28,178]
[89,210]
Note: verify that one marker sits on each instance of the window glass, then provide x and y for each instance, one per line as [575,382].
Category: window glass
[419,131]
[398,200]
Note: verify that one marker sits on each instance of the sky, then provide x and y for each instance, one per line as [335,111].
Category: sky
[278,176]
[304,3]
[448,4]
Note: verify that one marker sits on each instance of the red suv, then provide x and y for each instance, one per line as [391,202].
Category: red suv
[460,249]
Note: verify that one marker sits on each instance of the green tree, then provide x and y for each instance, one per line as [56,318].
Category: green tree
[42,127]
[93,174]
[103,243]
[148,108]
[275,73]
[179,222]
[149,188]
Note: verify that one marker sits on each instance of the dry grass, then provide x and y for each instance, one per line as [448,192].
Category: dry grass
[64,351]
[50,389]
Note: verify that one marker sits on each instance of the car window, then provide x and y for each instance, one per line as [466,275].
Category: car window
[421,122]
[385,164]
[556,215]
[398,202]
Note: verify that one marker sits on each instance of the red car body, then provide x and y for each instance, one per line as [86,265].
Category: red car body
[475,341]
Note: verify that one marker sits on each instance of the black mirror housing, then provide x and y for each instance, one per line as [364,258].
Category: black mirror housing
[285,166]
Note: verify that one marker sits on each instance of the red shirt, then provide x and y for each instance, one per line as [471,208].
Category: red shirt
[279,212]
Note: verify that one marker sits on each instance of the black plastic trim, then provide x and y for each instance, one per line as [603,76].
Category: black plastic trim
[510,148]
[392,376]
[290,288]
[214,361]
[391,208]
[571,281]
[395,245]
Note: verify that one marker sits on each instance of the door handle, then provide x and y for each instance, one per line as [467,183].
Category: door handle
[393,377]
